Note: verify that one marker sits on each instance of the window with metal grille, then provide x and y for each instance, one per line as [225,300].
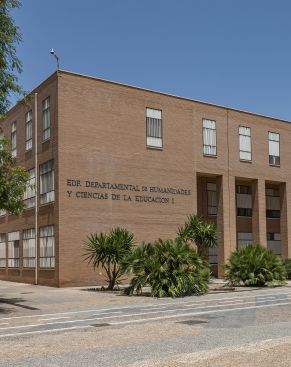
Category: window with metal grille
[243,201]
[245,146]
[2,250]
[29,194]
[273,204]
[29,248]
[154,128]
[13,139]
[13,250]
[47,247]
[211,199]
[274,149]
[47,185]
[46,119]
[209,137]
[28,130]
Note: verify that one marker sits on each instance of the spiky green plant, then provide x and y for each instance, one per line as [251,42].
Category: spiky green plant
[107,251]
[287,264]
[198,232]
[169,268]
[255,265]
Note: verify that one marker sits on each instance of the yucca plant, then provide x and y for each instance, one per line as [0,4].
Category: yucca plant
[287,264]
[254,265]
[169,268]
[198,232]
[107,251]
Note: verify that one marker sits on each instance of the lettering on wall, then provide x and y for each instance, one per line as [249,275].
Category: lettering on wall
[99,190]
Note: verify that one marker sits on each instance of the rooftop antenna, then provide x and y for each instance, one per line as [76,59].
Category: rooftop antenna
[53,52]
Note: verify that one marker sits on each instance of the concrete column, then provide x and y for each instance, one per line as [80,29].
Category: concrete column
[226,220]
[259,212]
[285,219]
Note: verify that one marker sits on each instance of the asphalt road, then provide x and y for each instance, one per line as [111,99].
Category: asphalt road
[76,328]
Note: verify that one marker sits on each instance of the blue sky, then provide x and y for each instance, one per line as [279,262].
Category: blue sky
[231,52]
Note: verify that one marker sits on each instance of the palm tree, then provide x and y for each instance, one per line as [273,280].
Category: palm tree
[198,232]
[107,251]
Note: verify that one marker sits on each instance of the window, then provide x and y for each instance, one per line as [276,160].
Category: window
[29,248]
[209,137]
[2,250]
[47,193]
[47,247]
[274,149]
[154,128]
[211,199]
[274,242]
[13,250]
[273,203]
[13,140]
[212,255]
[28,130]
[46,119]
[243,239]
[245,147]
[244,201]
[29,194]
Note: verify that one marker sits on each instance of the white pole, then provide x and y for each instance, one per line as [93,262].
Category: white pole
[36,189]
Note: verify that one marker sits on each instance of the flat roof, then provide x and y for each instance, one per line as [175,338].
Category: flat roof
[157,92]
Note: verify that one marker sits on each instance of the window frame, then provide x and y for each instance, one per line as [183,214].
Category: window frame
[52,259]
[46,194]
[150,146]
[207,145]
[279,143]
[24,239]
[251,147]
[28,147]
[3,259]
[45,111]
[13,139]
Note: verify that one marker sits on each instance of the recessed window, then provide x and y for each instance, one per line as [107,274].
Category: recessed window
[211,199]
[274,242]
[13,250]
[243,239]
[46,119]
[274,149]
[273,203]
[245,146]
[28,130]
[243,201]
[2,250]
[154,128]
[29,194]
[47,247]
[13,140]
[29,248]
[209,137]
[47,182]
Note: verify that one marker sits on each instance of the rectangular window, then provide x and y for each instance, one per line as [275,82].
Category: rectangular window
[47,186]
[47,247]
[154,128]
[211,199]
[13,250]
[245,146]
[273,204]
[244,201]
[2,250]
[29,248]
[274,242]
[29,195]
[28,130]
[212,255]
[243,239]
[46,119]
[274,149]
[13,140]
[209,137]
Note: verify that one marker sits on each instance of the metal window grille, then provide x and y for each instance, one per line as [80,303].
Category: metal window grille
[154,128]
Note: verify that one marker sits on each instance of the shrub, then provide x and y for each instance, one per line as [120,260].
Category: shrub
[287,264]
[254,265]
[198,232]
[107,251]
[169,268]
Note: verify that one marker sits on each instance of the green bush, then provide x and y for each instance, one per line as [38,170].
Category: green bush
[287,264]
[169,268]
[254,265]
[107,251]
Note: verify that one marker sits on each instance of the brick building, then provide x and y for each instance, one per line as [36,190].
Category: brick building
[104,154]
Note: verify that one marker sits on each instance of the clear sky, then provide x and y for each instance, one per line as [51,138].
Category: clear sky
[231,52]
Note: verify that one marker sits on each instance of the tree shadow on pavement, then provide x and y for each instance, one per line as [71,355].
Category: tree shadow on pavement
[6,303]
